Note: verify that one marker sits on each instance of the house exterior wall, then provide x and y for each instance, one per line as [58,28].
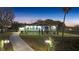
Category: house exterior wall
[37,28]
[33,28]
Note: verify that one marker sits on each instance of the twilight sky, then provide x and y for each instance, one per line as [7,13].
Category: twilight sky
[32,14]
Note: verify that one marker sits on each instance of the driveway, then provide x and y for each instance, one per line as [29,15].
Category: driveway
[18,43]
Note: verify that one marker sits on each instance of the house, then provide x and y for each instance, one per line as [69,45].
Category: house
[43,25]
[37,28]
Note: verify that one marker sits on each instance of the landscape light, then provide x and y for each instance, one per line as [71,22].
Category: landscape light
[6,41]
[2,43]
[48,41]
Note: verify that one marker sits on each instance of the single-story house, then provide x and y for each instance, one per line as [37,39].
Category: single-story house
[37,28]
[43,26]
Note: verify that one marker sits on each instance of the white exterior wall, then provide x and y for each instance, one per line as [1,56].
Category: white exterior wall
[36,28]
[21,29]
[33,28]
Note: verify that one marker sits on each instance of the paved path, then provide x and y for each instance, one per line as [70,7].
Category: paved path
[18,43]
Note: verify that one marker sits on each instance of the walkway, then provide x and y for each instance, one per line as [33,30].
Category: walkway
[18,43]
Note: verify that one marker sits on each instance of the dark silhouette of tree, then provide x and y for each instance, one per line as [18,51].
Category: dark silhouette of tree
[6,17]
[66,10]
[15,26]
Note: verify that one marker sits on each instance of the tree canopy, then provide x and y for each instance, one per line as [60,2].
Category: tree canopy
[6,17]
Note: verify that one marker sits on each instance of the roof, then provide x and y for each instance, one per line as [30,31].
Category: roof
[46,22]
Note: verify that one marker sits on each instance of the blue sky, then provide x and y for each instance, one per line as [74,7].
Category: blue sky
[32,14]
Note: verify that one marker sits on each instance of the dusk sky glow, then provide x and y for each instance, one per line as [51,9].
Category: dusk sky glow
[32,14]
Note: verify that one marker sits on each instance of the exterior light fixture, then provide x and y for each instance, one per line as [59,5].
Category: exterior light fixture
[49,43]
[6,41]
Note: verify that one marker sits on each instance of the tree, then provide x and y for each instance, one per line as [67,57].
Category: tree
[6,18]
[66,10]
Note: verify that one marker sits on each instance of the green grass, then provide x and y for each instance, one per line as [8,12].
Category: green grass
[67,44]
[70,42]
[68,34]
[35,40]
[5,35]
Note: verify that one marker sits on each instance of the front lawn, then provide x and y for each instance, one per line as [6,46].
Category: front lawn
[70,42]
[35,41]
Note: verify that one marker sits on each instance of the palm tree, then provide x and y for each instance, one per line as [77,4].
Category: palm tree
[66,10]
